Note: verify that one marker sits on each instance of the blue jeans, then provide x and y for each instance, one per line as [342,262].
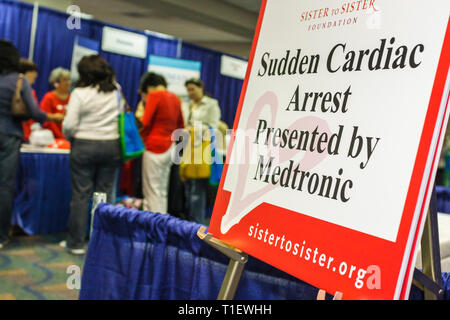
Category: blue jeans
[93,168]
[196,191]
[9,161]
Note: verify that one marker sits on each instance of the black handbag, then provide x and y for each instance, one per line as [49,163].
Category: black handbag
[19,110]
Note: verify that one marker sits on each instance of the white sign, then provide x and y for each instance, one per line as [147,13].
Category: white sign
[233,67]
[124,42]
[175,71]
[81,48]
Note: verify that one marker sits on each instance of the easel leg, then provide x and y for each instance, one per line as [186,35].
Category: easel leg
[431,260]
[430,279]
[235,268]
[231,280]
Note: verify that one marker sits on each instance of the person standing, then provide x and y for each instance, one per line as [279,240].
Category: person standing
[203,112]
[162,116]
[91,125]
[11,132]
[55,101]
[30,71]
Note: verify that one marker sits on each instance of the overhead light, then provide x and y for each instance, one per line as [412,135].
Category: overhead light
[85,16]
[75,11]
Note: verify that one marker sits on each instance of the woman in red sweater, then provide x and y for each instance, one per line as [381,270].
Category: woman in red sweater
[162,116]
[56,100]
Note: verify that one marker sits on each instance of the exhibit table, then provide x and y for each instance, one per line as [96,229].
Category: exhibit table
[42,196]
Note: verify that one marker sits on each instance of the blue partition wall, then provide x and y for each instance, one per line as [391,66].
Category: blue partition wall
[54,46]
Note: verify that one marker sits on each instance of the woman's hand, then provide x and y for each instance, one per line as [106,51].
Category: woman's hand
[55,117]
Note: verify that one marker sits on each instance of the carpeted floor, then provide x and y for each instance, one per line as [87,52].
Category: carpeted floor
[37,268]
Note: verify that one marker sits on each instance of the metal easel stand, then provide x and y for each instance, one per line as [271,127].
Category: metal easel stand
[429,280]
[238,259]
[97,198]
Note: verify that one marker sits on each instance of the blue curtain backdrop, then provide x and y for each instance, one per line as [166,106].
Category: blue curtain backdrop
[54,47]
[15,24]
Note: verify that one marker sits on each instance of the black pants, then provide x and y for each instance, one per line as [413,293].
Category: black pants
[9,161]
[93,168]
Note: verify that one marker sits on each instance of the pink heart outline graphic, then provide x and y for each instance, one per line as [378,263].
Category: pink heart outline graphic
[238,204]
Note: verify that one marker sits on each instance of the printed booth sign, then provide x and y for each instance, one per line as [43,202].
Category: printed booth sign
[336,141]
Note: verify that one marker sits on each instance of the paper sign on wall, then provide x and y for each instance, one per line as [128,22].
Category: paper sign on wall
[124,42]
[337,135]
[175,71]
[82,47]
[233,67]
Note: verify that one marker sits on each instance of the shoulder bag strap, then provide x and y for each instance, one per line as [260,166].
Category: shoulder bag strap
[119,101]
[19,85]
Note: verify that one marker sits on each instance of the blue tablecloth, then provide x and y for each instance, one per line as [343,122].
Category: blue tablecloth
[42,198]
[141,255]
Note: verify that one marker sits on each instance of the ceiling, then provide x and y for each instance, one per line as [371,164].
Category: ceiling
[224,25]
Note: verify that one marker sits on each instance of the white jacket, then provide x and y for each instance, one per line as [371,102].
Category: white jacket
[92,115]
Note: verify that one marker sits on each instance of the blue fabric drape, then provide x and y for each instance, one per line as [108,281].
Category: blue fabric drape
[161,47]
[443,199]
[15,24]
[42,198]
[142,255]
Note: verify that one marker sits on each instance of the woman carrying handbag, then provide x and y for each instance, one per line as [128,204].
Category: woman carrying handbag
[16,104]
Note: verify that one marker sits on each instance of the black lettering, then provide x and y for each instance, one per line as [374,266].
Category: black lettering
[292,68]
[263,64]
[314,62]
[283,63]
[412,57]
[330,58]
[343,197]
[262,126]
[374,55]
[260,167]
[326,98]
[400,61]
[294,100]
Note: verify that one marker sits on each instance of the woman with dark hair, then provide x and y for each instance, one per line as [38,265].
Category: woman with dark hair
[162,116]
[11,133]
[29,69]
[91,124]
